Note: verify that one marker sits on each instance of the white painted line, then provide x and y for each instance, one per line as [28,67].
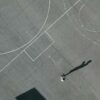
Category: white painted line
[27,43]
[28,55]
[50,36]
[44,25]
[10,62]
[62,15]
[64,5]
[83,35]
[30,42]
[46,16]
[82,25]
[20,53]
[38,38]
[35,40]
[34,36]
[52,60]
[40,53]
[44,49]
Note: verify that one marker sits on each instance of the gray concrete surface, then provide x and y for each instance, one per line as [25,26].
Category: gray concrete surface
[63,43]
[20,21]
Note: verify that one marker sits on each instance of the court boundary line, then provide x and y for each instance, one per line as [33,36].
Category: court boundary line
[49,36]
[28,55]
[44,31]
[64,4]
[33,60]
[19,54]
[83,35]
[52,42]
[34,36]
[82,25]
[2,69]
[62,15]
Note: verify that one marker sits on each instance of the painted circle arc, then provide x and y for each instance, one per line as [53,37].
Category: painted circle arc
[20,21]
[90,15]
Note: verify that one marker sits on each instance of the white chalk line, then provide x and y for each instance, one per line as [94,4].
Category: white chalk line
[35,40]
[82,25]
[83,35]
[33,60]
[28,55]
[42,27]
[52,60]
[34,36]
[94,42]
[62,15]
[52,40]
[19,54]
[44,31]
[50,36]
[10,62]
[64,4]
[28,42]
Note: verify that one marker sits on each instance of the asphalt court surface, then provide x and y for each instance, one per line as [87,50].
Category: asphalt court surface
[73,38]
[85,17]
[45,72]
[20,22]
[63,43]
[39,46]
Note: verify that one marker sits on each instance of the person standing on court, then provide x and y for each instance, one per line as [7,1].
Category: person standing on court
[63,76]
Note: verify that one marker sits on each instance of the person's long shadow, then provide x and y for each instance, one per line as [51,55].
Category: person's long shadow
[76,68]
